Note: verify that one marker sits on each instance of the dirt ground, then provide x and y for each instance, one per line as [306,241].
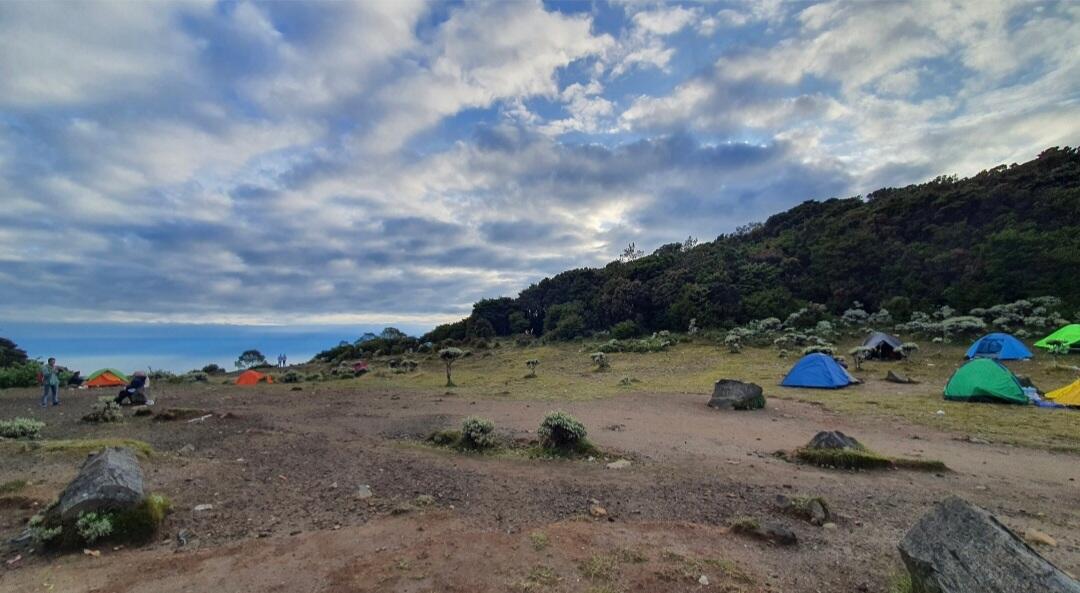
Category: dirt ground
[283,470]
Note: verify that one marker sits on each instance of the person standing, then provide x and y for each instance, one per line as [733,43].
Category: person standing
[50,383]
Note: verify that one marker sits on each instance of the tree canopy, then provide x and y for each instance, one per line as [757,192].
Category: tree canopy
[1007,233]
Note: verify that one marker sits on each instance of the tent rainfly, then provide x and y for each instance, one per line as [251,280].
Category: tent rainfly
[985,380]
[1069,335]
[883,346]
[998,347]
[819,371]
[106,378]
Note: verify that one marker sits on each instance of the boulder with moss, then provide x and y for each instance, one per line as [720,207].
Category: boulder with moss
[105,501]
[729,394]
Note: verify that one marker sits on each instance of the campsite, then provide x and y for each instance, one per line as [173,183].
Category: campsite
[278,485]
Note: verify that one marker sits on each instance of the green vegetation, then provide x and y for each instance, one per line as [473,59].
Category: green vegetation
[135,525]
[250,359]
[449,356]
[22,374]
[562,433]
[540,578]
[539,540]
[478,434]
[84,446]
[864,459]
[21,428]
[681,568]
[107,410]
[599,567]
[1002,235]
[745,525]
[13,486]
[900,582]
[93,526]
[445,438]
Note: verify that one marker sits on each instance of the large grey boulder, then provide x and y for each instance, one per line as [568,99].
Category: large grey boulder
[960,548]
[834,439]
[729,394]
[108,480]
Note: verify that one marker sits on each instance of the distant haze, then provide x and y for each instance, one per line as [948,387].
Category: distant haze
[175,347]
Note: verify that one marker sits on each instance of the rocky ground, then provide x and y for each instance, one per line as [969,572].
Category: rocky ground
[330,488]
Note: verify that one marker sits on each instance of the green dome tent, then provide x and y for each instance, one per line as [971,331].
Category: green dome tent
[985,380]
[1069,335]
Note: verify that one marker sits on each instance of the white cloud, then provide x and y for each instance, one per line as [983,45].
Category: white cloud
[61,53]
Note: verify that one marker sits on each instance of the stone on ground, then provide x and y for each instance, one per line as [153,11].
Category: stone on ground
[1036,537]
[619,464]
[729,394]
[958,547]
[894,377]
[833,439]
[108,481]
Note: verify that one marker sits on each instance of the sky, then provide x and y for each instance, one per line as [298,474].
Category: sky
[358,163]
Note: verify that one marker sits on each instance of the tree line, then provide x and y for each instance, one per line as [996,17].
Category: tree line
[1006,234]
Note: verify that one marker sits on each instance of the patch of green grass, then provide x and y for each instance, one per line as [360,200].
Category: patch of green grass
[539,540]
[900,582]
[925,465]
[844,458]
[84,446]
[13,486]
[857,459]
[540,578]
[745,525]
[689,569]
[631,556]
[599,567]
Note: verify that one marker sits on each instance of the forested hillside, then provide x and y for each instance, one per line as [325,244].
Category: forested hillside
[1008,233]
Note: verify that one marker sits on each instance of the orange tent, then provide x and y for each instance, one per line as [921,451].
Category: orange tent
[252,378]
[106,378]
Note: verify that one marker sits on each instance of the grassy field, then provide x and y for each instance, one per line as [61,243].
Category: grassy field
[567,373]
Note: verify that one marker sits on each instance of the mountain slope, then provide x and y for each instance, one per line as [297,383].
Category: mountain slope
[1007,233]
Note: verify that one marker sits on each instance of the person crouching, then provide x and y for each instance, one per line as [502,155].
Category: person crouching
[135,392]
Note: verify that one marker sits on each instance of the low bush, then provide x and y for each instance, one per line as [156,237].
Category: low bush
[625,330]
[445,438]
[477,433]
[107,410]
[292,377]
[21,428]
[20,375]
[560,430]
[93,526]
[600,360]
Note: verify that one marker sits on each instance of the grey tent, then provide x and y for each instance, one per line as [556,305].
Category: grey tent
[883,346]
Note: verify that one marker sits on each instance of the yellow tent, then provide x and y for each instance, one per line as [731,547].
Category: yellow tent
[1066,396]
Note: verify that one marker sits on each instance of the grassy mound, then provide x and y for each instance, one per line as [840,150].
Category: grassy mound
[864,459]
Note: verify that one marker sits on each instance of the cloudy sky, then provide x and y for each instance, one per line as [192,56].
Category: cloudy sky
[395,161]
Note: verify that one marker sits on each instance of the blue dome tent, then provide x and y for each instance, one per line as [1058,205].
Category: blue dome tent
[820,371]
[998,347]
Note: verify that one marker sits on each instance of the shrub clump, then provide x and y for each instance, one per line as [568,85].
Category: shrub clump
[107,411]
[560,431]
[94,526]
[445,438]
[292,377]
[478,434]
[21,428]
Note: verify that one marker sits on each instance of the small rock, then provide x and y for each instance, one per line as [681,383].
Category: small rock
[89,552]
[203,507]
[703,581]
[940,412]
[619,464]
[188,448]
[597,511]
[363,491]
[830,526]
[777,534]
[1034,536]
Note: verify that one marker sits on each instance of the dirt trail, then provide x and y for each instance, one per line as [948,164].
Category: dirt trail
[283,473]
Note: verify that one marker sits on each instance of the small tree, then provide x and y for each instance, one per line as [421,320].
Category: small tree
[449,356]
[859,354]
[560,430]
[630,253]
[250,358]
[601,361]
[1057,348]
[532,364]
[10,354]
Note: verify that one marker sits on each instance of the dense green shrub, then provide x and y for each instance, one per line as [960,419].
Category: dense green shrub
[478,433]
[292,377]
[21,428]
[93,526]
[560,430]
[624,330]
[23,374]
[212,369]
